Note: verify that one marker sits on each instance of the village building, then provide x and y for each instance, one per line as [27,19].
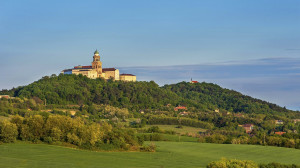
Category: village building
[278,122]
[184,113]
[4,96]
[193,81]
[248,127]
[296,120]
[238,115]
[180,108]
[280,133]
[97,71]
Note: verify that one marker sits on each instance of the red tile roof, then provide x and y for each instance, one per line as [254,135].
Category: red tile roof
[180,108]
[280,133]
[194,81]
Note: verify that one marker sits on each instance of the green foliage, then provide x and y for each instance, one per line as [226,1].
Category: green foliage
[277,165]
[234,163]
[227,163]
[8,131]
[58,128]
[78,89]
[207,96]
[179,121]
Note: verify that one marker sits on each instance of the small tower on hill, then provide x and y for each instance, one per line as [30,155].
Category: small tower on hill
[97,64]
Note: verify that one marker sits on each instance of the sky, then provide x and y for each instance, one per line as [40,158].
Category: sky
[249,46]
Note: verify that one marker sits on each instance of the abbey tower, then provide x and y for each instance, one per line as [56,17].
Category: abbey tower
[97,64]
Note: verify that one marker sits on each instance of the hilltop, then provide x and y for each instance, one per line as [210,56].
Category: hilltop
[207,97]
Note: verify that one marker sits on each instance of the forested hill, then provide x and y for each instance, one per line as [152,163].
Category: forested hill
[209,95]
[73,89]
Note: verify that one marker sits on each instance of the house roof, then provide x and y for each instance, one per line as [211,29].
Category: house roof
[280,133]
[83,67]
[108,69]
[248,125]
[127,75]
[180,107]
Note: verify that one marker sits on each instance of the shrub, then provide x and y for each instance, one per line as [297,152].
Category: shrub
[233,163]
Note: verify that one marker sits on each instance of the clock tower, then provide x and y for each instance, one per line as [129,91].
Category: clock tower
[97,64]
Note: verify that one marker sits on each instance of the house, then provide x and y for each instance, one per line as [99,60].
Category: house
[4,96]
[217,110]
[280,133]
[193,81]
[296,120]
[248,127]
[168,105]
[180,108]
[238,115]
[278,122]
[184,113]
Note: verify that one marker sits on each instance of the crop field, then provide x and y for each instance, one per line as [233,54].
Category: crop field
[169,154]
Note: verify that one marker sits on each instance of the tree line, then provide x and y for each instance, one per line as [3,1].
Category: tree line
[63,130]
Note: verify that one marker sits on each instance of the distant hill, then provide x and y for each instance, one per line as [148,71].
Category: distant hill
[78,89]
[208,95]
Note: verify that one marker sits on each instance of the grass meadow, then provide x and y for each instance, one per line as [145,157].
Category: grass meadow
[168,154]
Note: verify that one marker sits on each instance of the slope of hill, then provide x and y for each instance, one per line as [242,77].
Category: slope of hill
[208,95]
[73,89]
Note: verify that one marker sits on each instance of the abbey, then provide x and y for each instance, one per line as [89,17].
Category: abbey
[96,71]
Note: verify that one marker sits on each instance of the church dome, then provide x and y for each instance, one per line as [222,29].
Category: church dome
[96,52]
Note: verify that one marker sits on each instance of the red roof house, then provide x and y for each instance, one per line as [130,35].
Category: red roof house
[180,108]
[280,133]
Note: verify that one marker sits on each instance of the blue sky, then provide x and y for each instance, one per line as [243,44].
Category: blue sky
[39,38]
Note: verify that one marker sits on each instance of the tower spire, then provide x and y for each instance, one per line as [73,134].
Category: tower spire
[96,52]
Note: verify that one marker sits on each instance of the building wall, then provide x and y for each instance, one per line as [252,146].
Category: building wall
[89,73]
[127,78]
[92,74]
[117,74]
[109,74]
[112,74]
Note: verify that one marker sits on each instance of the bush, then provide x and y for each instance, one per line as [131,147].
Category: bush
[227,163]
[150,148]
[277,165]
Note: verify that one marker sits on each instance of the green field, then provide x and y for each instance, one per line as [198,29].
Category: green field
[183,130]
[169,154]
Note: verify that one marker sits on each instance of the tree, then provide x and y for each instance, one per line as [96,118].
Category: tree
[8,132]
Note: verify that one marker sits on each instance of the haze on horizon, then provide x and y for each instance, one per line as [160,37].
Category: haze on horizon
[41,38]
